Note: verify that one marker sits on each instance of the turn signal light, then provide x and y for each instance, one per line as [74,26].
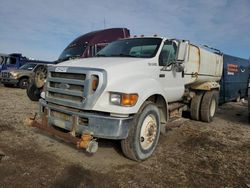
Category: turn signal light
[123,99]
[95,82]
[129,99]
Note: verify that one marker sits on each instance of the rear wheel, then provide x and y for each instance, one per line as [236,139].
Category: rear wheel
[23,83]
[209,105]
[144,133]
[195,106]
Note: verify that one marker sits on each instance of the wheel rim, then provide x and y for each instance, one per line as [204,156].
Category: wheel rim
[39,79]
[24,83]
[40,76]
[212,107]
[148,132]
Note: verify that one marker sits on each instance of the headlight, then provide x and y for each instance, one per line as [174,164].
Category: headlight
[13,74]
[123,99]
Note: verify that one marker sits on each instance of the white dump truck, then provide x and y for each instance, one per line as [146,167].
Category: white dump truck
[130,91]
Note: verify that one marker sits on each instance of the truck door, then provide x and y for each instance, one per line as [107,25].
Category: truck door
[171,81]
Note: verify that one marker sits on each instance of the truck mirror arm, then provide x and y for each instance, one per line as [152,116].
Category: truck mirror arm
[168,67]
[174,65]
[178,66]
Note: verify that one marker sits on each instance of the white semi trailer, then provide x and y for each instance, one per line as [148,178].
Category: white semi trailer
[129,92]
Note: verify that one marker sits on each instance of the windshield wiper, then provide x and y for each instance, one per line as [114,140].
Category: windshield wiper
[100,55]
[63,59]
[122,55]
[115,55]
[74,56]
[68,58]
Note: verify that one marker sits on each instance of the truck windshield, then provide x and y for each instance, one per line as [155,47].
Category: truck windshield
[72,52]
[136,47]
[28,66]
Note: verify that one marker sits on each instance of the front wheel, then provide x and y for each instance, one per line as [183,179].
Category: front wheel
[144,133]
[23,83]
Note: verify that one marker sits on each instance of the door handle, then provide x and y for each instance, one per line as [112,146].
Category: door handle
[162,75]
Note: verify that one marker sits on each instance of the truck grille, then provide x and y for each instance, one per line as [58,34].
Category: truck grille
[72,88]
[66,97]
[66,88]
[5,74]
[68,76]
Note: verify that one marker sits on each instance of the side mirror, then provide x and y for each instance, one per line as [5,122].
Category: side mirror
[182,51]
[177,67]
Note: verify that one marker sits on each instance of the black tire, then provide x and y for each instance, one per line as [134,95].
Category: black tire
[195,106]
[33,92]
[23,83]
[132,146]
[8,85]
[209,105]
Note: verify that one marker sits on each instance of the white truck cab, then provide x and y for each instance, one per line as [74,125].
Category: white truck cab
[129,90]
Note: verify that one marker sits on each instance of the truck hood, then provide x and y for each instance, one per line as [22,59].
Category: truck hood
[17,71]
[105,63]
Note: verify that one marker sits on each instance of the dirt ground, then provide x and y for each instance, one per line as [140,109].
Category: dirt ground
[193,154]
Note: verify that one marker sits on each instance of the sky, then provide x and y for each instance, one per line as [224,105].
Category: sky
[42,29]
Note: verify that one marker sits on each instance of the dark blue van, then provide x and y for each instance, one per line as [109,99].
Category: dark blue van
[234,81]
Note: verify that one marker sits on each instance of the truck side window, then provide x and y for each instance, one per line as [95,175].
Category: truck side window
[11,61]
[168,54]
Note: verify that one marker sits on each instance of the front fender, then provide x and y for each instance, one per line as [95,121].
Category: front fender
[143,86]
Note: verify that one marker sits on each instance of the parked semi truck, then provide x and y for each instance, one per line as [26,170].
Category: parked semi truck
[84,46]
[234,81]
[129,92]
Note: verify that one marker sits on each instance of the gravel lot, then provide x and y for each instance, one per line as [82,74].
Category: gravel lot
[193,154]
